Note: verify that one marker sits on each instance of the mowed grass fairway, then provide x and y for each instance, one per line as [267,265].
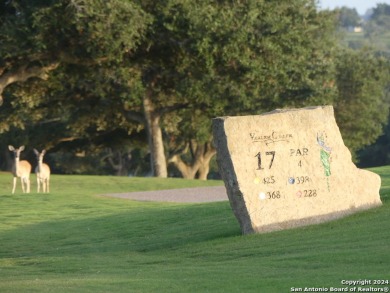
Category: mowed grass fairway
[75,240]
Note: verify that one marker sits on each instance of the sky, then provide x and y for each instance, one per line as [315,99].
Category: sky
[361,5]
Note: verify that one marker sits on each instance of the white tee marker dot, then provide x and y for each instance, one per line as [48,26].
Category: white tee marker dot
[262,195]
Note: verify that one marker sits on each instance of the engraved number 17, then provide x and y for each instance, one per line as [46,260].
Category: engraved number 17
[259,167]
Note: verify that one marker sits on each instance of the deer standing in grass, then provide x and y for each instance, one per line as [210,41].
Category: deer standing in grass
[20,169]
[42,171]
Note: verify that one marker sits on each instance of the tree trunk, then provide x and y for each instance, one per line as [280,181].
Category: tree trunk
[158,162]
[204,168]
[119,161]
[207,154]
[199,166]
[187,171]
[203,171]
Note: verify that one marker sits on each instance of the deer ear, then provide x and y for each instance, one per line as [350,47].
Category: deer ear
[11,148]
[43,152]
[21,148]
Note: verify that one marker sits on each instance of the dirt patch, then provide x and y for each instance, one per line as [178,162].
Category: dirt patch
[190,195]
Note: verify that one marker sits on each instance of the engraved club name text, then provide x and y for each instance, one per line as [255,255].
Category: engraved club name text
[270,138]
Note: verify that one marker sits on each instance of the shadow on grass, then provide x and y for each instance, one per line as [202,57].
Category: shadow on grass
[138,230]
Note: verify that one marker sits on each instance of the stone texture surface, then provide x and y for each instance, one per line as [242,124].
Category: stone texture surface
[290,168]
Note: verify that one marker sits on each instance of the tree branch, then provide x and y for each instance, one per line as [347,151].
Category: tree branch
[135,116]
[172,108]
[69,59]
[23,73]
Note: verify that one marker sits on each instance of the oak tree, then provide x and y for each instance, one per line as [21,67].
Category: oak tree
[37,36]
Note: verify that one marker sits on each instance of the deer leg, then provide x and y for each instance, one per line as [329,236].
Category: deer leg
[28,184]
[14,185]
[22,181]
[38,184]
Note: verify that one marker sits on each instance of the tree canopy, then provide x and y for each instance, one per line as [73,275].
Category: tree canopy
[379,23]
[362,106]
[37,36]
[348,17]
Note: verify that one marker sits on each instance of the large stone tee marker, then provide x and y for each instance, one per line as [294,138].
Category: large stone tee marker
[290,168]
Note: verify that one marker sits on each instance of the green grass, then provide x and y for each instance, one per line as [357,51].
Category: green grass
[75,240]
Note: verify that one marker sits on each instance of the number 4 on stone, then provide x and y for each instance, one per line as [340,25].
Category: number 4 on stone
[259,167]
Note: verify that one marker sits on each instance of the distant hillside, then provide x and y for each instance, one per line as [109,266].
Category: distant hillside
[370,30]
[358,40]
